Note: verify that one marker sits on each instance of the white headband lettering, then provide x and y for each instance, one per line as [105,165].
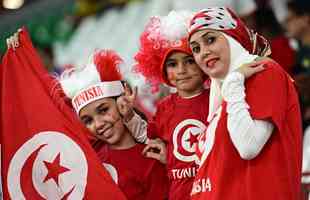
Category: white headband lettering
[95,92]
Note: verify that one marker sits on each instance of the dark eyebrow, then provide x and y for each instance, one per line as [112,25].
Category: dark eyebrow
[187,56]
[192,43]
[97,108]
[210,32]
[170,60]
[204,35]
[102,105]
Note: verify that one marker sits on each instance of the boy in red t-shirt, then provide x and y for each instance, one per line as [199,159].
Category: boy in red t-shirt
[94,91]
[164,57]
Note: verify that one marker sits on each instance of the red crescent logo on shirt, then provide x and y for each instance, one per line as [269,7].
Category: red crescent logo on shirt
[185,138]
[51,160]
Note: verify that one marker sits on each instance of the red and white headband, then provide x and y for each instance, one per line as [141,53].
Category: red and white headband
[99,79]
[95,92]
[217,18]
[225,20]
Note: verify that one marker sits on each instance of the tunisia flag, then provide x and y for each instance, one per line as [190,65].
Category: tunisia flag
[45,152]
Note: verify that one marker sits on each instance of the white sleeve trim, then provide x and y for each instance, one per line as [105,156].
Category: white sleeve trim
[138,128]
[248,135]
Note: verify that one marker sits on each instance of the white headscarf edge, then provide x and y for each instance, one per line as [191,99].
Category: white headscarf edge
[238,56]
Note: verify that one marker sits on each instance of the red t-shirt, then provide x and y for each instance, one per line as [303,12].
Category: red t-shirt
[138,177]
[275,174]
[179,121]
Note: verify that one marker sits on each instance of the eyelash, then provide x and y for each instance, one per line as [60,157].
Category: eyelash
[196,49]
[210,40]
[102,110]
[87,121]
[171,64]
[207,40]
[190,61]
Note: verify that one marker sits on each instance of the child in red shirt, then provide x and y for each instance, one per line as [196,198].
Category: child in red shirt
[165,57]
[94,91]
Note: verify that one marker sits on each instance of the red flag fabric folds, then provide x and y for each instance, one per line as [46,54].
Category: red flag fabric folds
[45,152]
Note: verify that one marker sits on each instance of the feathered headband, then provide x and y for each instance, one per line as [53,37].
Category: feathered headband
[161,36]
[99,79]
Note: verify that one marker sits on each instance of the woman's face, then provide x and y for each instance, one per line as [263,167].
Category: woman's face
[183,72]
[211,52]
[103,120]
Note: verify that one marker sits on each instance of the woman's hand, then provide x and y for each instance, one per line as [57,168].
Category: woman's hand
[125,103]
[249,69]
[13,41]
[156,149]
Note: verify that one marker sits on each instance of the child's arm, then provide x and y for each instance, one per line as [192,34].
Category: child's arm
[138,128]
[136,125]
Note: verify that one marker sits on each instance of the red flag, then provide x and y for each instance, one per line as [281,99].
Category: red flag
[45,152]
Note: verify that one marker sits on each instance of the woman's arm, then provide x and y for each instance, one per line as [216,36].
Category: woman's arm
[247,134]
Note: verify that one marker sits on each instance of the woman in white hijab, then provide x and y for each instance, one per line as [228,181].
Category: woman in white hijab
[255,128]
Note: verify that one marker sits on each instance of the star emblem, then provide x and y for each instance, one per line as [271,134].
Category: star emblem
[54,169]
[193,139]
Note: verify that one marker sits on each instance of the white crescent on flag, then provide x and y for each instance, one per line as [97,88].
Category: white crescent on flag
[55,172]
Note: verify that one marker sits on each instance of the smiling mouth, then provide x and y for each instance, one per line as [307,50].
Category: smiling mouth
[183,79]
[210,63]
[100,133]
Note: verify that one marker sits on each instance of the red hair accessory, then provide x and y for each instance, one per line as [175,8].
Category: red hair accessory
[161,36]
[107,63]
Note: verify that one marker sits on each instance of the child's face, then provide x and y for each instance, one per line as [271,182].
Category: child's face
[211,51]
[103,120]
[183,72]
[296,24]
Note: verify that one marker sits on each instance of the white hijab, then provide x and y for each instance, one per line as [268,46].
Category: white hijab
[238,57]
